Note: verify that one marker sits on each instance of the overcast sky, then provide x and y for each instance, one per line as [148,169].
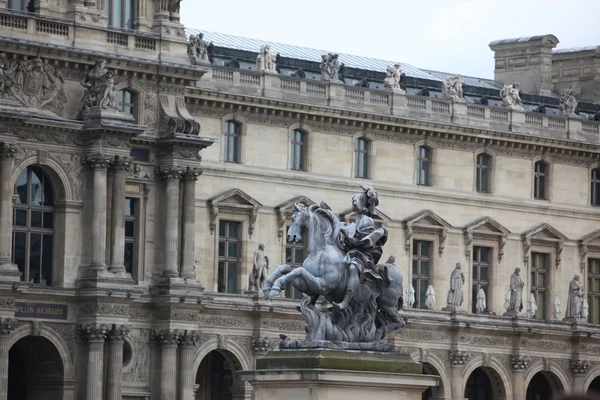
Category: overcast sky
[443,35]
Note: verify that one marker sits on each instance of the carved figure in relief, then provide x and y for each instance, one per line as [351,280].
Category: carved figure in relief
[393,75]
[99,87]
[511,97]
[556,307]
[265,61]
[515,304]
[481,304]
[410,296]
[452,88]
[568,103]
[454,299]
[575,299]
[260,269]
[330,67]
[198,49]
[342,266]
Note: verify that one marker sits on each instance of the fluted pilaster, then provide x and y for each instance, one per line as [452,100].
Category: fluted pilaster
[171,175]
[95,335]
[7,153]
[168,340]
[187,344]
[116,337]
[120,166]
[7,326]
[99,164]
[188,267]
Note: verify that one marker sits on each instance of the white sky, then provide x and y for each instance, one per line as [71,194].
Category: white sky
[443,35]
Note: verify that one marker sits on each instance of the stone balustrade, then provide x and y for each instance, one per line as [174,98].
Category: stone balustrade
[254,83]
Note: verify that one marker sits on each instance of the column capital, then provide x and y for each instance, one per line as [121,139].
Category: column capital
[520,363]
[167,337]
[191,174]
[7,150]
[118,333]
[458,357]
[170,172]
[95,332]
[189,339]
[120,163]
[7,326]
[580,367]
[98,161]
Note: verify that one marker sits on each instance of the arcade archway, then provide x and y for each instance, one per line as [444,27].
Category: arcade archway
[485,383]
[594,388]
[35,370]
[433,393]
[543,385]
[216,376]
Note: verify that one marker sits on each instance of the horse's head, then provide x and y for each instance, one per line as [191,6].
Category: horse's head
[299,222]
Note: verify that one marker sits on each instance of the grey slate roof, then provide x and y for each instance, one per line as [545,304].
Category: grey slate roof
[352,61]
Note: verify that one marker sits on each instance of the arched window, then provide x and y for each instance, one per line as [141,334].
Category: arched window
[361,158]
[231,142]
[120,13]
[540,180]
[33,226]
[595,187]
[423,166]
[482,180]
[126,102]
[298,143]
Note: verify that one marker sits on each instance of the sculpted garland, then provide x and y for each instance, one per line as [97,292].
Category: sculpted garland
[342,266]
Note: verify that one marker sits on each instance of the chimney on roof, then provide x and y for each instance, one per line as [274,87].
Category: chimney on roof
[527,61]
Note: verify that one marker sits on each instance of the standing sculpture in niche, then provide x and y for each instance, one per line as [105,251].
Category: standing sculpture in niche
[455,294]
[330,67]
[260,269]
[515,304]
[342,266]
[574,309]
[452,88]
[511,97]
[198,49]
[568,103]
[99,88]
[265,61]
[392,79]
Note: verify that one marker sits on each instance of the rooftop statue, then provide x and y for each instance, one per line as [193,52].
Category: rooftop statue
[568,103]
[452,88]
[392,79]
[198,49]
[265,61]
[342,266]
[511,97]
[330,67]
[99,88]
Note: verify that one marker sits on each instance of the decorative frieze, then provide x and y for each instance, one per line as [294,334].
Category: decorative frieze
[545,345]
[118,310]
[68,334]
[520,363]
[224,321]
[458,357]
[580,367]
[282,326]
[7,303]
[95,332]
[177,315]
[138,371]
[422,335]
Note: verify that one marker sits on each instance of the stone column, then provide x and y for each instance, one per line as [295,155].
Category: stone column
[120,167]
[187,345]
[171,175]
[7,152]
[99,164]
[241,391]
[168,340]
[7,326]
[579,368]
[458,360]
[114,378]
[95,335]
[519,366]
[188,264]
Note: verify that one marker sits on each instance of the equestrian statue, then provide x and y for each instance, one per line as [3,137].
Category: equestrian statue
[343,267]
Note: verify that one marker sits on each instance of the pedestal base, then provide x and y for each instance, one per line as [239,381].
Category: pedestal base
[176,286]
[10,272]
[89,277]
[332,375]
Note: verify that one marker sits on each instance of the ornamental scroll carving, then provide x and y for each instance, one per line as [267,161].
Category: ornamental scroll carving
[458,357]
[138,371]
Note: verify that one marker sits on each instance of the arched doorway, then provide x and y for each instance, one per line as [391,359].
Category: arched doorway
[543,385]
[215,377]
[594,388]
[479,386]
[35,370]
[432,392]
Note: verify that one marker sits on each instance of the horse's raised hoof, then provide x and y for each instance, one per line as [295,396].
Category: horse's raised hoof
[274,293]
[339,306]
[266,293]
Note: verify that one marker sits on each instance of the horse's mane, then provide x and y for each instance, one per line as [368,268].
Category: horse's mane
[332,234]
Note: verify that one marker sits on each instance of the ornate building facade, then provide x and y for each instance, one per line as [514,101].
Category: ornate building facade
[141,168]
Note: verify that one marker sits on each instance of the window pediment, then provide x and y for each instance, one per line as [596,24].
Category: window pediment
[234,201]
[485,228]
[379,217]
[425,222]
[590,242]
[543,235]
[285,210]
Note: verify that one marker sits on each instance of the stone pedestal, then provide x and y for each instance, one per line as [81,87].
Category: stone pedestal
[319,374]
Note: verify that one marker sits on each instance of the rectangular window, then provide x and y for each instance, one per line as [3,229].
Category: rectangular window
[297,150]
[131,233]
[295,254]
[20,5]
[120,13]
[595,187]
[593,290]
[483,170]
[231,142]
[139,154]
[423,166]
[421,270]
[539,283]
[361,158]
[540,175]
[229,256]
[481,274]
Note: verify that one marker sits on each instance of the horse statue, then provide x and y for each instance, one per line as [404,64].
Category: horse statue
[342,267]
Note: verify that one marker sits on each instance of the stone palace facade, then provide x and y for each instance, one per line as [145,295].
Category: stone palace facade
[141,169]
